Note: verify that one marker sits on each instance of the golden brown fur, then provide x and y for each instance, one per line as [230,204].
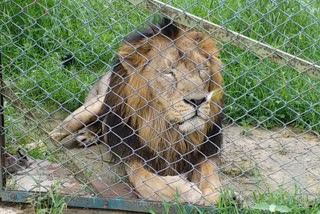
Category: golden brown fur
[158,118]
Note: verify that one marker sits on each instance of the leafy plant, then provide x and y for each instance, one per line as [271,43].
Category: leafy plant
[271,207]
[52,202]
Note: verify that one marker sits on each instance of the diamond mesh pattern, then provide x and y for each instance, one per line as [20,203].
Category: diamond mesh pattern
[53,51]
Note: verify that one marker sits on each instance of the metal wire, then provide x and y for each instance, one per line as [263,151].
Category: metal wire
[54,51]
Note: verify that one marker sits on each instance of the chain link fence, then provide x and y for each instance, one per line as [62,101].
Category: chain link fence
[155,115]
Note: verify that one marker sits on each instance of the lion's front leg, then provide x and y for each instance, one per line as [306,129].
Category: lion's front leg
[78,119]
[157,188]
[209,182]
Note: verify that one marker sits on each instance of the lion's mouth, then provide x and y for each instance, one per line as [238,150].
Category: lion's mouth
[194,122]
[191,118]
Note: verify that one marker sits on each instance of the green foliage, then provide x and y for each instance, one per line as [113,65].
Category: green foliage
[268,202]
[19,135]
[258,92]
[271,208]
[35,39]
[281,200]
[52,202]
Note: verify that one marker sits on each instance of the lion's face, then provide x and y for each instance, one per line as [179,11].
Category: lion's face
[158,105]
[181,86]
[178,76]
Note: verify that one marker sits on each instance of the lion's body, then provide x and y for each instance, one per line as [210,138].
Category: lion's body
[156,113]
[166,146]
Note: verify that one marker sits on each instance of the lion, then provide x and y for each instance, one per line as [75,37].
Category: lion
[156,112]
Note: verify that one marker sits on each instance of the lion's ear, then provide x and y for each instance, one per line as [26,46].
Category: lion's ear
[209,49]
[133,56]
[206,44]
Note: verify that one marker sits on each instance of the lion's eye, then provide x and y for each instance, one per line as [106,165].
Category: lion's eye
[204,74]
[168,73]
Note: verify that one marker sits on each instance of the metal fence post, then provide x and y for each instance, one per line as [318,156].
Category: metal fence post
[2,131]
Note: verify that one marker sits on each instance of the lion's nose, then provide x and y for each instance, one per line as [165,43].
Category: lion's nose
[195,102]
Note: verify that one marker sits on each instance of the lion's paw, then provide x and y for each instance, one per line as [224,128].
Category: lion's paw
[57,134]
[210,197]
[167,187]
[189,192]
[85,138]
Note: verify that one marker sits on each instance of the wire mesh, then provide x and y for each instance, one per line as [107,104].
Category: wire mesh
[150,125]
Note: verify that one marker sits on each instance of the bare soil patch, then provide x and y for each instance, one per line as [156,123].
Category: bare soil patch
[254,160]
[265,159]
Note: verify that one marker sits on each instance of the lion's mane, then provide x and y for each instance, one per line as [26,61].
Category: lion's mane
[132,126]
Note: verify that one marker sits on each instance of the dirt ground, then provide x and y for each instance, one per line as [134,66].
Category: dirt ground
[11,208]
[262,159]
[254,160]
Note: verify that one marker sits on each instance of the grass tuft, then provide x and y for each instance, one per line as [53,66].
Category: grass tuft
[51,202]
[268,202]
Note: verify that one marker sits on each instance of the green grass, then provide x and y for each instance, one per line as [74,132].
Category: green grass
[52,202]
[36,39]
[257,91]
[281,201]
